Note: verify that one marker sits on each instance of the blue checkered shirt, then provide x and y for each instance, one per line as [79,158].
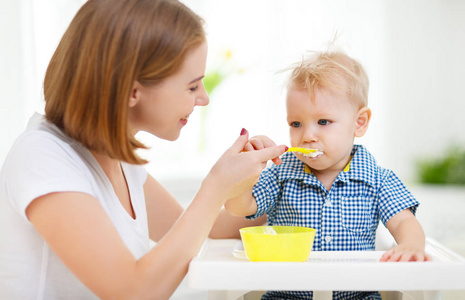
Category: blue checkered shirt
[346,216]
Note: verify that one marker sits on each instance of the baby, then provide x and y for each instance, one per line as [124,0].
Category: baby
[340,191]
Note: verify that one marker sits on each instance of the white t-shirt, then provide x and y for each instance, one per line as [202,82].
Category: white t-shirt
[44,160]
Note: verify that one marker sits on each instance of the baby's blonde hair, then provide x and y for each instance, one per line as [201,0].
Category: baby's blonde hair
[334,70]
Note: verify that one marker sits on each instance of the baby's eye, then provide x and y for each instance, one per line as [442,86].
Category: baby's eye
[194,88]
[323,122]
[296,124]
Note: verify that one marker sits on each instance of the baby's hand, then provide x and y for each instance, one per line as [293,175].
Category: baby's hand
[405,253]
[261,142]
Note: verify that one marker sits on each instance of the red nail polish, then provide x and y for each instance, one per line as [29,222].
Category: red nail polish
[285,149]
[243,131]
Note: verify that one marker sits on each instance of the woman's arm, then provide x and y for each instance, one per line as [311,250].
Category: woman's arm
[160,221]
[162,209]
[227,226]
[79,231]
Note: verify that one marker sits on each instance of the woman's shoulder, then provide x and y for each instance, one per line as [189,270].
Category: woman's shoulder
[43,149]
[41,162]
[42,142]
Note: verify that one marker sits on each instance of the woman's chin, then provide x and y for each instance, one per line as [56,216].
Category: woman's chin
[168,136]
[172,138]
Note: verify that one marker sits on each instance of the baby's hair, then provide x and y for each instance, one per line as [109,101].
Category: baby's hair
[332,69]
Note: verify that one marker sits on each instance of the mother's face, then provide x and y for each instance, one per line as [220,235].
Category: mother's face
[164,109]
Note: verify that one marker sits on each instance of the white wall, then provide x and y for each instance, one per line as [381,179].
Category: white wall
[426,79]
[412,51]
[12,97]
[266,37]
[29,33]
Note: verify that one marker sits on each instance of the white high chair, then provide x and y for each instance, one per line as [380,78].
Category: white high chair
[384,241]
[216,270]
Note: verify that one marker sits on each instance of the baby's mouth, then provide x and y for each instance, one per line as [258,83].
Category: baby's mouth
[315,154]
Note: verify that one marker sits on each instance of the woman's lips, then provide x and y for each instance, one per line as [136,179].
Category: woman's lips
[183,121]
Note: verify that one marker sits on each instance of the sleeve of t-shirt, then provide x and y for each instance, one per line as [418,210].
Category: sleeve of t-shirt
[394,197]
[39,164]
[266,192]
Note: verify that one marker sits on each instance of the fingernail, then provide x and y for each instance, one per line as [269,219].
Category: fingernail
[243,131]
[285,149]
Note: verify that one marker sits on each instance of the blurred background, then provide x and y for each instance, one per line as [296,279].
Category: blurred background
[412,51]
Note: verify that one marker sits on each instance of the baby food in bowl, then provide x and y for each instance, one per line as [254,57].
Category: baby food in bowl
[277,243]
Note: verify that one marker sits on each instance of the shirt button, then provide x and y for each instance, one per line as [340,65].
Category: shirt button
[328,203]
[328,238]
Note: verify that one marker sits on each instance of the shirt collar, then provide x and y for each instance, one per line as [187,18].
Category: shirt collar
[361,167]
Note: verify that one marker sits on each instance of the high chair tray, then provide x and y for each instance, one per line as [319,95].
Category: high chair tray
[216,268]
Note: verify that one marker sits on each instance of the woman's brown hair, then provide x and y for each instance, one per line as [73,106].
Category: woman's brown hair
[107,47]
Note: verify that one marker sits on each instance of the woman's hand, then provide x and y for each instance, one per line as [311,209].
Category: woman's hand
[261,142]
[239,168]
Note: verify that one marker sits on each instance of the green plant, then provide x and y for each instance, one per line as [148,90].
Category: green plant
[449,169]
[223,67]
[212,79]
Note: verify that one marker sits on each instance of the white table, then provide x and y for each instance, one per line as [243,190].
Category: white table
[226,276]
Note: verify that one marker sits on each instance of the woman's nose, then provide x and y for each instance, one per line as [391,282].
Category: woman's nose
[202,98]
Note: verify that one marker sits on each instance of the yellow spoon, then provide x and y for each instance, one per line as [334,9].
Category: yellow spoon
[305,151]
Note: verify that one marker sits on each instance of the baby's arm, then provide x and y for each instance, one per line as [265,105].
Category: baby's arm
[244,205]
[409,236]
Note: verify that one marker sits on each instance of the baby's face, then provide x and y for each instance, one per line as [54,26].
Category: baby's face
[327,123]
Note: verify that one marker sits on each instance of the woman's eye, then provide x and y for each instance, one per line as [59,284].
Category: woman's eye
[296,124]
[323,122]
[194,88]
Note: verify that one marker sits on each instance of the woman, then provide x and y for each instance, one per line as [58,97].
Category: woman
[77,208]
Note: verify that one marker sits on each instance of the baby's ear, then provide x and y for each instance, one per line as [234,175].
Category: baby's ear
[363,119]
